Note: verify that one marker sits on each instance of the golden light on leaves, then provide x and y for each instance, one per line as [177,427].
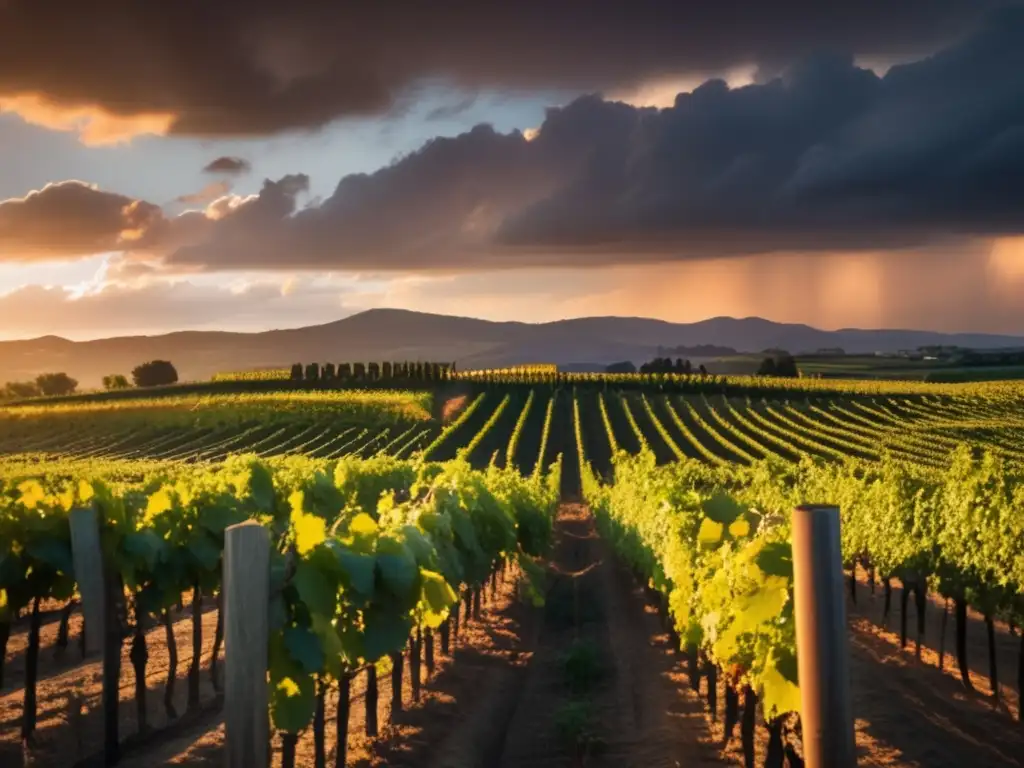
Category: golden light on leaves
[94,125]
[31,493]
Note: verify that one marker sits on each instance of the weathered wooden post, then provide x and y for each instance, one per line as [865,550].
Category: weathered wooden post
[98,588]
[822,646]
[87,556]
[246,629]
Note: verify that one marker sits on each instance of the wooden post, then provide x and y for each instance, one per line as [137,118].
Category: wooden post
[88,561]
[98,588]
[822,652]
[246,629]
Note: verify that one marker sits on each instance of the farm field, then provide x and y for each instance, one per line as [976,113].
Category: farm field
[602,493]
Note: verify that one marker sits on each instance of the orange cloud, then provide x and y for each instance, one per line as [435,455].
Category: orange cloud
[94,125]
[71,219]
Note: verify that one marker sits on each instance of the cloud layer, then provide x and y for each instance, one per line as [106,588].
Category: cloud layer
[826,157]
[258,67]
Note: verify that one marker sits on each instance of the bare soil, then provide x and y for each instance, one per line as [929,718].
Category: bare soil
[69,689]
[636,714]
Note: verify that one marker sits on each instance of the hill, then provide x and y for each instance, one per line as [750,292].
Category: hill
[391,334]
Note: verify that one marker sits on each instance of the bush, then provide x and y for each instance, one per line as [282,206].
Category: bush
[155,373]
[55,384]
[116,381]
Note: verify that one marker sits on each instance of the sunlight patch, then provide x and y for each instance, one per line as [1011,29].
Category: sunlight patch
[95,126]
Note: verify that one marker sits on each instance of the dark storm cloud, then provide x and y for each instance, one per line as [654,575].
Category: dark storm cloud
[828,157]
[230,166]
[260,67]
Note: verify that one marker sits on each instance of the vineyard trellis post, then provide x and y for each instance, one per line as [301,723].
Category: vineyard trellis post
[96,585]
[246,629]
[87,556]
[822,646]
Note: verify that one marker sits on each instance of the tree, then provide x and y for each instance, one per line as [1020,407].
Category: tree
[155,373]
[312,372]
[116,381]
[19,389]
[781,364]
[296,374]
[55,384]
[767,367]
[785,365]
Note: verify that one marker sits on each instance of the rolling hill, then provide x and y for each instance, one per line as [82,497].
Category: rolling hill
[389,334]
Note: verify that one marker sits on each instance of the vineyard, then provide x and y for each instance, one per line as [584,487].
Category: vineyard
[393,515]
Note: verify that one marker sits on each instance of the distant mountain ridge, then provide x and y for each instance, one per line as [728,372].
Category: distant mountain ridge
[394,334]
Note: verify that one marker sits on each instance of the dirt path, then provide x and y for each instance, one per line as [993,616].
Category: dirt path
[627,711]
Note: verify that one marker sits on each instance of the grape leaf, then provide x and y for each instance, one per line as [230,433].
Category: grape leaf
[261,487]
[710,533]
[384,631]
[438,596]
[203,550]
[764,605]
[779,694]
[304,647]
[722,508]
[54,552]
[316,589]
[362,525]
[310,531]
[159,502]
[144,545]
[31,493]
[292,701]
[776,559]
[330,643]
[397,567]
[360,570]
[216,517]
[739,528]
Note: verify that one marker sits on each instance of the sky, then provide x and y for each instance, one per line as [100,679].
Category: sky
[256,165]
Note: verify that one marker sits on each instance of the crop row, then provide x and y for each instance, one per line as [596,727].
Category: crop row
[366,557]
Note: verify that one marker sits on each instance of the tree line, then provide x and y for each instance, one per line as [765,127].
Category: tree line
[154,373]
[411,371]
